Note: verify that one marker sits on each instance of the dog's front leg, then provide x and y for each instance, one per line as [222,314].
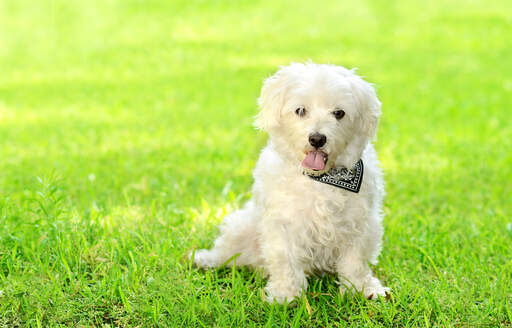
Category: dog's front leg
[286,276]
[355,275]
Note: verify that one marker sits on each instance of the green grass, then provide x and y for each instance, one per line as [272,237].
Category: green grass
[125,136]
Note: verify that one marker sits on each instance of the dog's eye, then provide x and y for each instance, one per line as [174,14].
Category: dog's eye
[339,114]
[301,111]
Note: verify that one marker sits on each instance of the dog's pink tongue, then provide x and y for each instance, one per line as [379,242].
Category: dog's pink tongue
[314,160]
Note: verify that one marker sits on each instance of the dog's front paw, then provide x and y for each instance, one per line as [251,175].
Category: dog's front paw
[374,289]
[280,294]
[371,288]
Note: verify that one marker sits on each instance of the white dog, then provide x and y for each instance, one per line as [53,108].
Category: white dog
[308,212]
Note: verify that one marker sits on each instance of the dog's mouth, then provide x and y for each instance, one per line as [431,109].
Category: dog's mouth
[315,160]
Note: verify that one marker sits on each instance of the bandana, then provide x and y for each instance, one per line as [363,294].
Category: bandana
[342,177]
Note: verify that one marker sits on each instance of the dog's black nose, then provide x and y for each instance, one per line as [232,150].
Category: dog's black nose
[317,140]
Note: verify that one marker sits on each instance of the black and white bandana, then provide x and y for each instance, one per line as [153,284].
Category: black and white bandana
[342,177]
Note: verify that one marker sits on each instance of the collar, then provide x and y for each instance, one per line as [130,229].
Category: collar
[342,177]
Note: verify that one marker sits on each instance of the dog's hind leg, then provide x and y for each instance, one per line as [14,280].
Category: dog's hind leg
[238,239]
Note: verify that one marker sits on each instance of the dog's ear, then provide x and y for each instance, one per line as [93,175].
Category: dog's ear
[271,101]
[366,120]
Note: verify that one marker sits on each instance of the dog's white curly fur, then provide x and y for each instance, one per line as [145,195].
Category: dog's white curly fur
[294,226]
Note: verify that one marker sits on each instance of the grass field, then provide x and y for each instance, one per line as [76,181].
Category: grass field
[125,136]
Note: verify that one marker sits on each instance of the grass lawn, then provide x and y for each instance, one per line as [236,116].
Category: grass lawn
[125,136]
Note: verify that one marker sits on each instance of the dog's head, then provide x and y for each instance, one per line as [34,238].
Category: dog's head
[318,115]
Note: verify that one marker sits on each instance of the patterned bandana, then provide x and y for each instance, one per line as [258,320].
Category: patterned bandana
[342,177]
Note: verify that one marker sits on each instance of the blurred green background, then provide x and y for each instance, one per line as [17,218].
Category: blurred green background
[126,134]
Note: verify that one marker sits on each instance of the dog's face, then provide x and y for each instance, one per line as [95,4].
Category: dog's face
[318,115]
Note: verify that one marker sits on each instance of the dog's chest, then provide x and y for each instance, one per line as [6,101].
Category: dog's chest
[316,219]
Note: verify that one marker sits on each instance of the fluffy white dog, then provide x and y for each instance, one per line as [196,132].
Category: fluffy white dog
[309,213]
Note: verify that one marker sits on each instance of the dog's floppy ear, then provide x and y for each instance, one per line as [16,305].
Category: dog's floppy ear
[366,120]
[271,101]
